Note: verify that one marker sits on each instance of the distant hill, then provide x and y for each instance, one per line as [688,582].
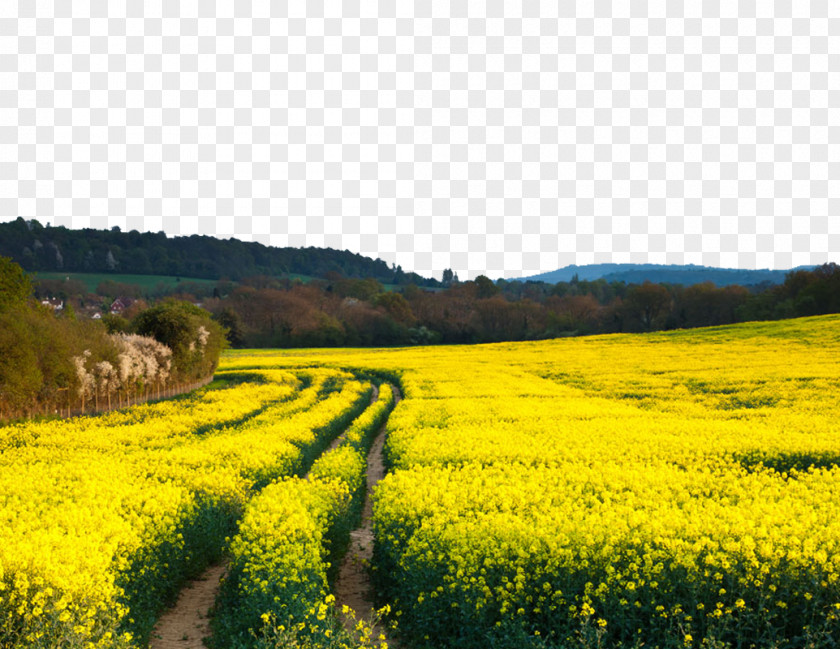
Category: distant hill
[58,249]
[662,273]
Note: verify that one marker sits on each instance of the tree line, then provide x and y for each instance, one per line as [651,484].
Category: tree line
[339,311]
[53,363]
[45,357]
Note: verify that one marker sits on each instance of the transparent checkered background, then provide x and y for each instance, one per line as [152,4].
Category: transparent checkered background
[504,138]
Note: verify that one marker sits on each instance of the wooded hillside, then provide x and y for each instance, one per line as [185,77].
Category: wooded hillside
[42,248]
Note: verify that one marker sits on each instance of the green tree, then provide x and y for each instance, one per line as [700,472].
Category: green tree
[20,376]
[196,340]
[397,307]
[485,288]
[15,287]
[115,323]
[232,322]
[361,289]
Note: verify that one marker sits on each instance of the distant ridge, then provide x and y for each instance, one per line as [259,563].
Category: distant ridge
[664,273]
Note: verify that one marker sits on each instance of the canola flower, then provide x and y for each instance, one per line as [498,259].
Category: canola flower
[670,489]
[102,517]
[674,489]
[348,461]
[289,545]
[279,557]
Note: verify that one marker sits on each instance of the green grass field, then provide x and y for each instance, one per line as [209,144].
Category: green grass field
[146,282]
[149,282]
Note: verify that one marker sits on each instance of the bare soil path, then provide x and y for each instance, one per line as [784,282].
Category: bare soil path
[187,624]
[353,586]
[374,395]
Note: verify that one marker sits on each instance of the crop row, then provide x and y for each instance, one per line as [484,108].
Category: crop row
[290,541]
[103,517]
[668,490]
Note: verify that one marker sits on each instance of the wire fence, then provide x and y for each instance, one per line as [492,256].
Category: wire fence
[67,404]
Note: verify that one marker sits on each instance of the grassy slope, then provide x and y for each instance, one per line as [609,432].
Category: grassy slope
[92,280]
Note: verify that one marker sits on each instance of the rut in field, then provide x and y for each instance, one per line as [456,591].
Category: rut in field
[353,587]
[187,624]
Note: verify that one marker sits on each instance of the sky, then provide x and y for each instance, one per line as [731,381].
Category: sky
[496,138]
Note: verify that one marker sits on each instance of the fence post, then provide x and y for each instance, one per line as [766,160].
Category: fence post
[63,403]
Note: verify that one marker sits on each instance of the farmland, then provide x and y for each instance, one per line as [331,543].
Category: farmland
[672,489]
[145,283]
[104,516]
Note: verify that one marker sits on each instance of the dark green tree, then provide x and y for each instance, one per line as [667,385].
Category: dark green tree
[397,307]
[15,287]
[196,340]
[485,288]
[232,322]
[20,376]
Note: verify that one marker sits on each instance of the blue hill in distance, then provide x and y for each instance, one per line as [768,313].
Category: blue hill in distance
[663,273]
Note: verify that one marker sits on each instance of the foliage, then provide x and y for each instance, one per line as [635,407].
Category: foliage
[647,303]
[39,248]
[232,323]
[350,312]
[37,370]
[196,340]
[349,300]
[20,376]
[15,287]
[50,363]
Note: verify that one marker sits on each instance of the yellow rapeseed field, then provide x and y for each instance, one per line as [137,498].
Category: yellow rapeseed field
[102,517]
[668,489]
[288,548]
[675,489]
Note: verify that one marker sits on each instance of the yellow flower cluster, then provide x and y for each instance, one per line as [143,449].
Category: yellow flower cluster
[667,489]
[348,461]
[279,558]
[102,517]
[651,487]
[671,489]
[290,539]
